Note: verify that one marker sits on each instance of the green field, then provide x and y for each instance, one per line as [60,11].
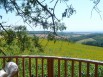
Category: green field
[66,49]
[60,48]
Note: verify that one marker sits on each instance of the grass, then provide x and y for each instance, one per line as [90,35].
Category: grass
[60,48]
[67,49]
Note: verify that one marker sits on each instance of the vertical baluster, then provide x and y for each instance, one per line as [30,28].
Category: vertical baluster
[58,67]
[29,66]
[3,62]
[72,68]
[36,67]
[18,66]
[96,70]
[50,63]
[79,69]
[23,63]
[88,65]
[42,67]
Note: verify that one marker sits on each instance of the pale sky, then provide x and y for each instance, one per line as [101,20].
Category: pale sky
[81,21]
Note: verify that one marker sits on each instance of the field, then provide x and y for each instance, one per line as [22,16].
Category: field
[74,50]
[59,48]
[67,49]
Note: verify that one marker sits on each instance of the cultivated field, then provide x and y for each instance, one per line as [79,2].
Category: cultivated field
[67,49]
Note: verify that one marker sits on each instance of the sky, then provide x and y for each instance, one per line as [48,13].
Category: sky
[81,21]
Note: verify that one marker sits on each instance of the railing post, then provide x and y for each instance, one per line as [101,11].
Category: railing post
[50,63]
[3,62]
[23,64]
[42,67]
[58,67]
[36,67]
[17,64]
[96,70]
[88,67]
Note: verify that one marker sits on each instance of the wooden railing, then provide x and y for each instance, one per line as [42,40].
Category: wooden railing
[47,66]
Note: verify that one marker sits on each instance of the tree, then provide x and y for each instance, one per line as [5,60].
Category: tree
[36,43]
[22,38]
[95,7]
[9,37]
[36,11]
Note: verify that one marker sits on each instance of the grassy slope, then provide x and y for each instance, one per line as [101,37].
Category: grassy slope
[61,48]
[85,40]
[66,49]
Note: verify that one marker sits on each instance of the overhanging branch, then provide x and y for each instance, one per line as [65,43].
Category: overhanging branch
[4,29]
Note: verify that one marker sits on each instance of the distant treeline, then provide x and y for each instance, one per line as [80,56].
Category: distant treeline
[94,43]
[98,39]
[38,32]
[94,36]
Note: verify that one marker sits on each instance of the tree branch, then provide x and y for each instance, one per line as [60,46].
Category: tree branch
[4,29]
[2,52]
[96,8]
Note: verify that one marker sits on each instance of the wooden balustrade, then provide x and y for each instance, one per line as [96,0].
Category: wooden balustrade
[41,66]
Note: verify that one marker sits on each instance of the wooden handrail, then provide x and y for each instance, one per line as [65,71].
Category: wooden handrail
[54,57]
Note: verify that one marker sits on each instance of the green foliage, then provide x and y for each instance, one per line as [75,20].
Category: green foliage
[22,37]
[51,36]
[9,38]
[37,44]
[60,26]
[17,39]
